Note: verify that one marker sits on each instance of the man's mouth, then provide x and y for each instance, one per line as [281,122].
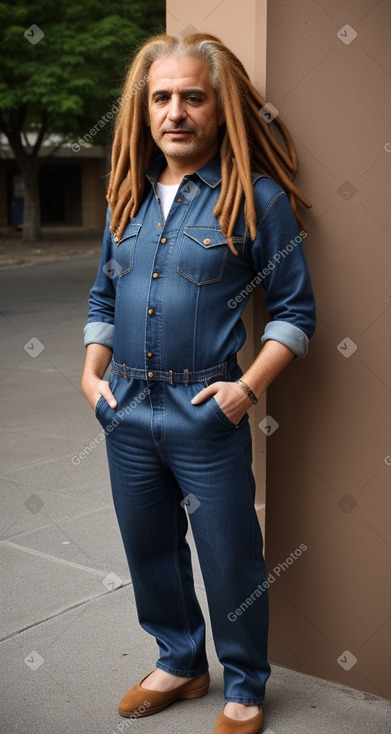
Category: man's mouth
[178,133]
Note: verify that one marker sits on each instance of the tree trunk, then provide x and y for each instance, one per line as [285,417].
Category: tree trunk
[32,209]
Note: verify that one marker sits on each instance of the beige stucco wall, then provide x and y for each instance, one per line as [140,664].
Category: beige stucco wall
[328,483]
[328,478]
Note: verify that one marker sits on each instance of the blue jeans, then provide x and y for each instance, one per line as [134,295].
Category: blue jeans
[164,452]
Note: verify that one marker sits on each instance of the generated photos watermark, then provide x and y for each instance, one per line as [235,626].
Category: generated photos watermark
[347,660]
[190,503]
[86,140]
[347,34]
[347,347]
[112,581]
[136,714]
[262,274]
[268,112]
[34,660]
[109,428]
[112,269]
[34,347]
[34,34]
[268,425]
[34,503]
[272,577]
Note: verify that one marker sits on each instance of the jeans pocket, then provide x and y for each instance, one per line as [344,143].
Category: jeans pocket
[99,405]
[223,418]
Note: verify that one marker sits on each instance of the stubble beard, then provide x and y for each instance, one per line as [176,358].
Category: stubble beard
[187,148]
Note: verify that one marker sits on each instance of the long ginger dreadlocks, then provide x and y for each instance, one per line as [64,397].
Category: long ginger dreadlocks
[247,142]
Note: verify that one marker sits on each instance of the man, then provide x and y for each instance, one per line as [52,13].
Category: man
[190,232]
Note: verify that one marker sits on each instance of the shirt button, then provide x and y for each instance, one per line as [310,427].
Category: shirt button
[158,224]
[150,374]
[179,201]
[163,240]
[206,241]
[149,354]
[155,275]
[151,311]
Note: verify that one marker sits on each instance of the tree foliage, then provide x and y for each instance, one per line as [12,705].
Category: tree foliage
[62,67]
[67,80]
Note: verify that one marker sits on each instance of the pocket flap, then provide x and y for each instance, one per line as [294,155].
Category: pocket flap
[206,236]
[131,230]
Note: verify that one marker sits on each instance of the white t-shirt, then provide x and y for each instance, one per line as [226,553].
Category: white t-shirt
[166,195]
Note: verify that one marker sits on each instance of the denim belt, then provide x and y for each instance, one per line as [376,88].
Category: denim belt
[185,377]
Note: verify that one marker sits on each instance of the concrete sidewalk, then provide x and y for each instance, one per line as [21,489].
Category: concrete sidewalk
[56,244]
[70,641]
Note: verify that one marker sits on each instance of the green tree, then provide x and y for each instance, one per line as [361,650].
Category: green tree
[60,77]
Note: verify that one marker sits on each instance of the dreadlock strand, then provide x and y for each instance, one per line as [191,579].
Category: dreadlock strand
[234,121]
[291,160]
[226,170]
[276,165]
[128,157]
[256,102]
[119,164]
[234,215]
[272,151]
[261,164]
[121,172]
[263,128]
[226,204]
[282,177]
[137,152]
[238,136]
[280,165]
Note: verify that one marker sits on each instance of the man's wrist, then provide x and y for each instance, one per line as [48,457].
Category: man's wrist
[251,394]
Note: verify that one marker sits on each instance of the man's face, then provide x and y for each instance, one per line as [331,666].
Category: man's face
[183,109]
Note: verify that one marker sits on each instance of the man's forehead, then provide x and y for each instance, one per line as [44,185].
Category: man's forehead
[181,72]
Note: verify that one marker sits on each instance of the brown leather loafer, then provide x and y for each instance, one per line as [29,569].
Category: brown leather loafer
[139,701]
[226,725]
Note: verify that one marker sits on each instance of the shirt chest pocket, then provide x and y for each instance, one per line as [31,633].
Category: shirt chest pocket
[123,250]
[202,255]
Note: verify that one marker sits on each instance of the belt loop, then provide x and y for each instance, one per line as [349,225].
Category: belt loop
[124,371]
[171,381]
[186,376]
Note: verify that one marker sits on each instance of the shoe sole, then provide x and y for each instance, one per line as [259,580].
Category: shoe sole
[196,693]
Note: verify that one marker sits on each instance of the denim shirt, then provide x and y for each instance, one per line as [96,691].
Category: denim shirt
[169,296]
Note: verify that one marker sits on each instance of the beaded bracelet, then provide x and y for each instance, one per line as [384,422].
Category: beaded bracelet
[248,390]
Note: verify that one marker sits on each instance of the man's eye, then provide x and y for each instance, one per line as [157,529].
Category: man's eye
[194,99]
[161,98]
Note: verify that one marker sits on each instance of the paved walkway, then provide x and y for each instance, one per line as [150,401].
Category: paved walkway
[56,244]
[70,641]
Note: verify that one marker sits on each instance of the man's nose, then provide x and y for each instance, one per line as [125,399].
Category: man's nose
[176,110]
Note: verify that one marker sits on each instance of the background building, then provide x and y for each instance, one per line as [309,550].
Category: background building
[72,187]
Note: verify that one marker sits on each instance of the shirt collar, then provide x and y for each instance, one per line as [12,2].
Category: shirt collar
[209,174]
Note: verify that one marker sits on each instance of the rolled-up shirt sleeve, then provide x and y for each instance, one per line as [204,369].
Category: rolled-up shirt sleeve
[100,323]
[98,332]
[278,255]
